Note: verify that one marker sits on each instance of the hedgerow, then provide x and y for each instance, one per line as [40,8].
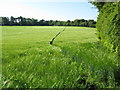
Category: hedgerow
[108,25]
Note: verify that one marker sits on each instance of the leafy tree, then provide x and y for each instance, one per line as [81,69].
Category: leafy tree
[76,22]
[5,21]
[68,23]
[11,20]
[34,22]
[98,4]
[41,22]
[51,23]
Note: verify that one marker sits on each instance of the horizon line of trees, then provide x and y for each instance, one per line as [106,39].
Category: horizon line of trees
[22,21]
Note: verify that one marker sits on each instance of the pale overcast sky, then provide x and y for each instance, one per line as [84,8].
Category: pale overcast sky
[48,9]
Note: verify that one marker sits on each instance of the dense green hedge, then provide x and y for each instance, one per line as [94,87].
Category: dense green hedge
[108,25]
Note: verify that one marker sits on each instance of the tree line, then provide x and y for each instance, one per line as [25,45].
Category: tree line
[22,21]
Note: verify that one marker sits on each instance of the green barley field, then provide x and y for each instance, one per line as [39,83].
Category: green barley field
[75,60]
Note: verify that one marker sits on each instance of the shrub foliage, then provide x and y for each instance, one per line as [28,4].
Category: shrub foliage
[108,24]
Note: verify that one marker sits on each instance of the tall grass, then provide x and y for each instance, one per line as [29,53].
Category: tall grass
[30,62]
[70,66]
[96,65]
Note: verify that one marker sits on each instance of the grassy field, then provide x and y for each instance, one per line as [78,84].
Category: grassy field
[75,60]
